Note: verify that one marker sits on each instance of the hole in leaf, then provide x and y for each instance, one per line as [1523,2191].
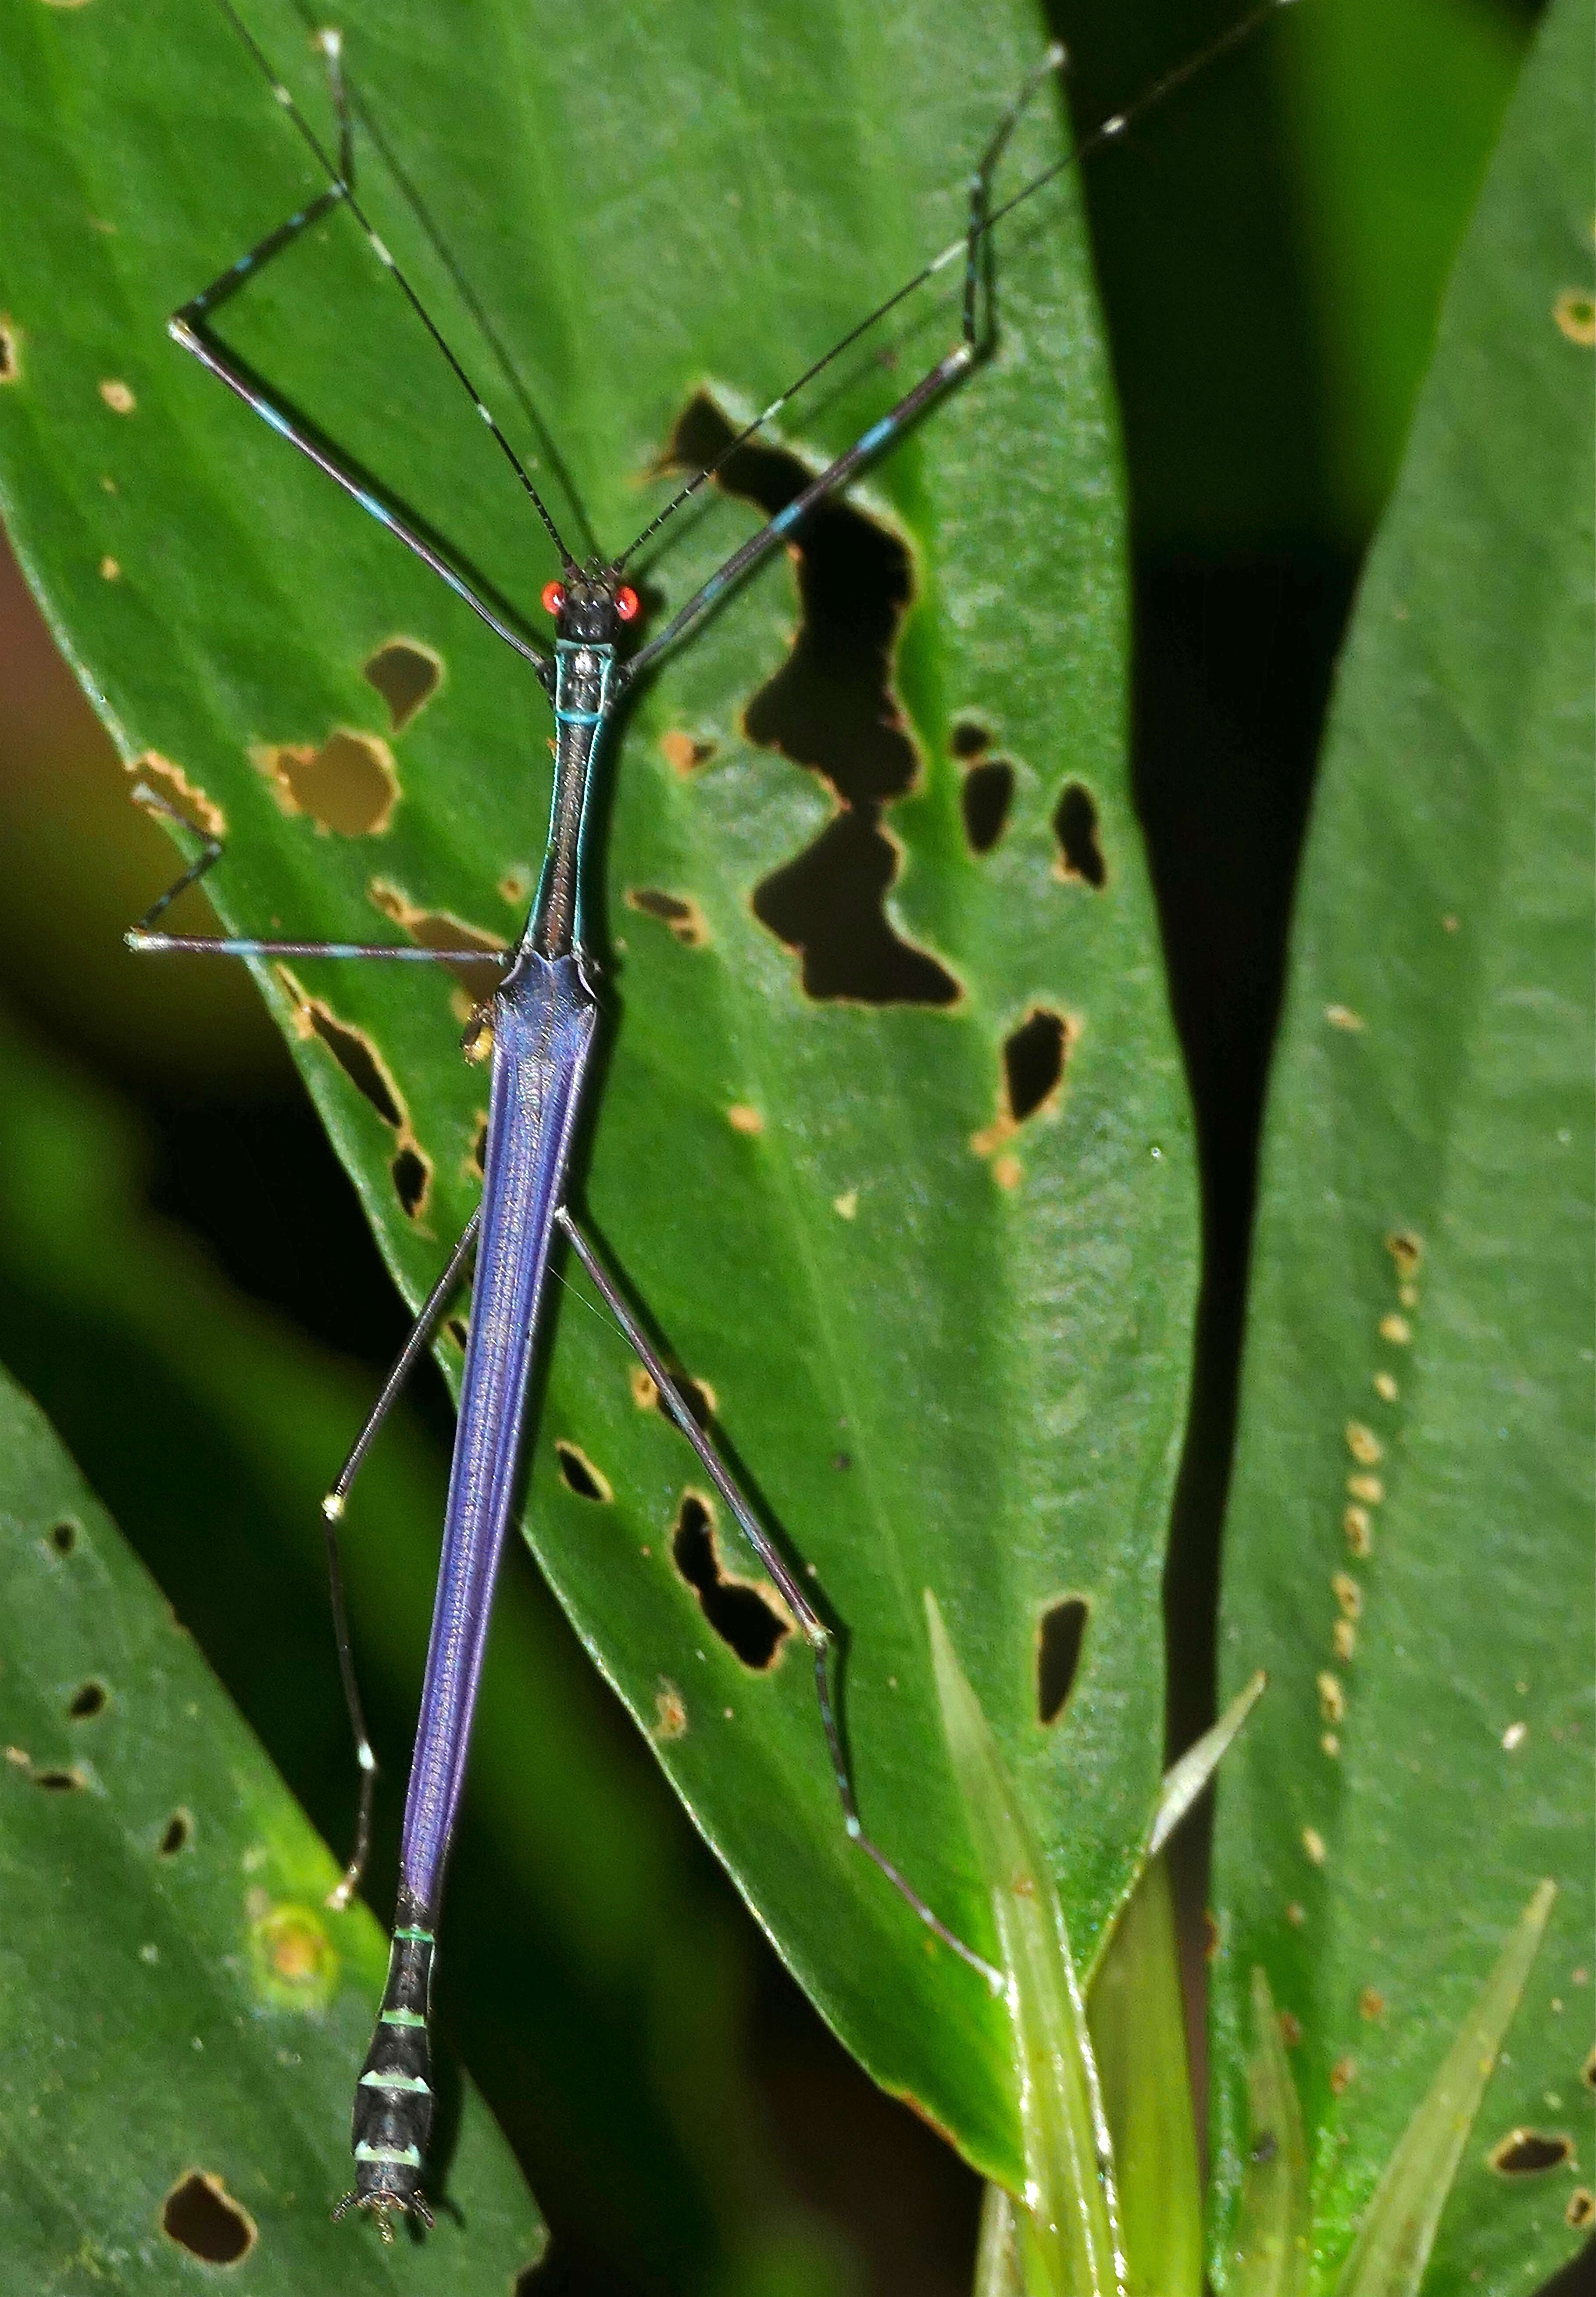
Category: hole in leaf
[174,785]
[350,785]
[11,364]
[682,915]
[366,1071]
[986,796]
[1580,2210]
[176,1835]
[580,1475]
[201,2217]
[411,1174]
[1034,1062]
[699,1399]
[1587,2072]
[406,674]
[437,929]
[353,1053]
[1530,2152]
[60,1782]
[1058,1640]
[969,739]
[741,1613]
[828,906]
[87,1701]
[831,707]
[1075,826]
[63,1538]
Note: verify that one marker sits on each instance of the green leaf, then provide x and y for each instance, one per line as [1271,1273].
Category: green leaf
[950,1353]
[583,1926]
[998,2266]
[1137,2017]
[1273,2215]
[1408,1550]
[1068,2233]
[181,2011]
[1186,1778]
[1393,2248]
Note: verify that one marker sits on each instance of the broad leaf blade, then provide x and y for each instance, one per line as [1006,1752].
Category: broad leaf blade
[945,1363]
[181,2011]
[1408,1550]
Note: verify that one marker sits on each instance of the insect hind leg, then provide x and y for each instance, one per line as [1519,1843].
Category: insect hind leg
[820,1638]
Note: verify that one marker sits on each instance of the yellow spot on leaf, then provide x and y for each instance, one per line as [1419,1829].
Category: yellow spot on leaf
[1574,312]
[669,1712]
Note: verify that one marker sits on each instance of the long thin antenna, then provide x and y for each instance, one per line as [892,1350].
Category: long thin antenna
[331,45]
[1107,131]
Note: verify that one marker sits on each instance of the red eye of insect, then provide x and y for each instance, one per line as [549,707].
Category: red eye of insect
[553,597]
[626,602]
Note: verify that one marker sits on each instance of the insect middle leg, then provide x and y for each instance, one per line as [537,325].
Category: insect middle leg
[144,939]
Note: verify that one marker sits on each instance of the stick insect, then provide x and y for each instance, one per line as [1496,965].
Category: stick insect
[539,1032]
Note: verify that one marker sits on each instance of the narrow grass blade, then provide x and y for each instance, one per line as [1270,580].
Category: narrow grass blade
[998,2272]
[1271,2248]
[1069,2230]
[1137,2023]
[1398,2231]
[1184,1780]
